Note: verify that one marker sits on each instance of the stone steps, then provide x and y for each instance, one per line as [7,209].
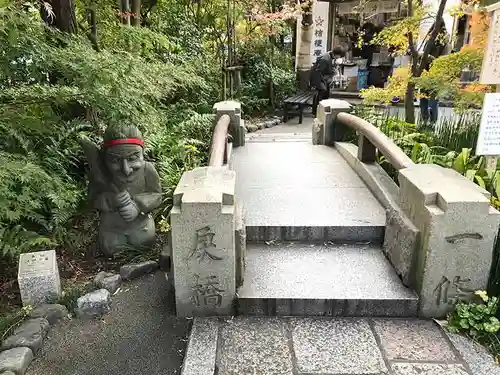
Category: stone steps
[290,279]
[349,234]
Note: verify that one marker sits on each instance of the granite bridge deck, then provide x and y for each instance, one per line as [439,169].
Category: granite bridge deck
[314,232]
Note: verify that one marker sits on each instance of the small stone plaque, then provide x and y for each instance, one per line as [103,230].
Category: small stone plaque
[38,277]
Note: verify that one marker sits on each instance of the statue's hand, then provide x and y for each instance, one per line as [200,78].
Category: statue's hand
[123,199]
[129,212]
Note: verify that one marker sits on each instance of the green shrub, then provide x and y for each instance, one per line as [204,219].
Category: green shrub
[72,292]
[258,76]
[459,132]
[10,321]
[182,148]
[476,318]
[53,87]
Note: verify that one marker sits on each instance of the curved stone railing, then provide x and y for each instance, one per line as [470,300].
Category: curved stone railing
[438,222]
[370,139]
[219,146]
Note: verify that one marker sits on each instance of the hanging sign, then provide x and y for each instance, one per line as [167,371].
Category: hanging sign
[370,8]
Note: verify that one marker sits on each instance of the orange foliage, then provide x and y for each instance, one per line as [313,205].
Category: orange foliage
[479,24]
[476,87]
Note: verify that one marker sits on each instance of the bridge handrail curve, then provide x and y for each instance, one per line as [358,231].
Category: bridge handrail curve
[219,145]
[372,138]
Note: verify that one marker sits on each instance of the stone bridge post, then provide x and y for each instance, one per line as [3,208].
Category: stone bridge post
[208,233]
[457,228]
[203,242]
[233,109]
[324,131]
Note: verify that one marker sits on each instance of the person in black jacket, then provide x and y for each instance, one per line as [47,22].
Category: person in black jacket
[322,73]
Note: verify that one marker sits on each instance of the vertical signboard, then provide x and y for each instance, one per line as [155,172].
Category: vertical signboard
[319,46]
[490,73]
[488,142]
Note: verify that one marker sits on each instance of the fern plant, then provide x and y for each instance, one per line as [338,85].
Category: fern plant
[33,205]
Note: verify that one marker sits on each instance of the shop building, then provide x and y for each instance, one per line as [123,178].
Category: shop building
[337,23]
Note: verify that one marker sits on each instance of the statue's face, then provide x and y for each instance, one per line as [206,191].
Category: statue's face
[124,162]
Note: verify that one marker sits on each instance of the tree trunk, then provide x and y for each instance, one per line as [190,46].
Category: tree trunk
[136,12]
[417,67]
[92,14]
[432,37]
[198,13]
[126,12]
[409,107]
[63,16]
[306,35]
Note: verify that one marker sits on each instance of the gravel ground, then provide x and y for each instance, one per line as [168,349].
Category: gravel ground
[141,335]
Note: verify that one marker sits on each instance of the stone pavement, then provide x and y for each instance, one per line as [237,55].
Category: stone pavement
[141,335]
[325,346]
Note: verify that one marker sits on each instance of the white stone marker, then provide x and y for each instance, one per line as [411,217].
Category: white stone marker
[38,277]
[203,242]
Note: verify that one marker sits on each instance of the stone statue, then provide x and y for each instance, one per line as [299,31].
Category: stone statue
[124,188]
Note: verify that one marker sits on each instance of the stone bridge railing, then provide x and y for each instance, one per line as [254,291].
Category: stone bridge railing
[208,233]
[440,226]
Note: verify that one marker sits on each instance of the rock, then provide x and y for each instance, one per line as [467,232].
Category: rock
[269,124]
[52,312]
[261,125]
[252,128]
[93,304]
[8,373]
[276,121]
[107,280]
[15,360]
[30,334]
[98,279]
[165,261]
[132,271]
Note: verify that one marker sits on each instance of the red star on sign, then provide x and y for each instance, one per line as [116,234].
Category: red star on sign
[319,21]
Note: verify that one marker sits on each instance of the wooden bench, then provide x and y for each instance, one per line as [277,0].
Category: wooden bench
[294,105]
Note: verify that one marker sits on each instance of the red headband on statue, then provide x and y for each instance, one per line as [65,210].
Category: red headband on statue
[128,141]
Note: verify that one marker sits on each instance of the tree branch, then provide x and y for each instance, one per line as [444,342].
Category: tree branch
[432,37]
[411,42]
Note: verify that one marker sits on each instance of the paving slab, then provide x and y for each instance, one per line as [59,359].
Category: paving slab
[428,369]
[202,347]
[336,347]
[254,346]
[332,346]
[413,340]
[479,360]
[297,184]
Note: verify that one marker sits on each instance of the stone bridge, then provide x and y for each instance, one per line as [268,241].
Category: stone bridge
[306,224]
